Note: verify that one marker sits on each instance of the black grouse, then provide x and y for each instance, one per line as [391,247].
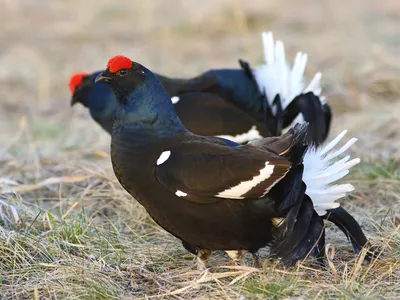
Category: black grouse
[215,194]
[238,104]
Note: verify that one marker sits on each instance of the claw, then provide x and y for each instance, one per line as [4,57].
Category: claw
[256,260]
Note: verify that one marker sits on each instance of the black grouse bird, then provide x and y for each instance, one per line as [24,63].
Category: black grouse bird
[201,112]
[237,104]
[215,194]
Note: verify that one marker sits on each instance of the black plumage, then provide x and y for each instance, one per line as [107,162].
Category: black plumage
[240,104]
[211,193]
[202,112]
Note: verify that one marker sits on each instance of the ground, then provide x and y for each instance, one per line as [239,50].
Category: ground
[77,234]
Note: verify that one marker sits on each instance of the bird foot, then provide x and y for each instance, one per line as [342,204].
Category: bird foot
[202,256]
[256,260]
[236,256]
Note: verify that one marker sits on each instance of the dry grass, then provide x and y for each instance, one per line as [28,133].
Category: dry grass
[78,235]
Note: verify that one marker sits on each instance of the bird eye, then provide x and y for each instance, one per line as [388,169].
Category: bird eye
[122,72]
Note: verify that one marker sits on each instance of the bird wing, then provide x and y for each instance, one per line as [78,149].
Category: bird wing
[209,114]
[206,172]
[198,84]
[176,87]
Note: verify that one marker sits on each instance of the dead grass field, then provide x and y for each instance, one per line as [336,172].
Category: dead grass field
[79,235]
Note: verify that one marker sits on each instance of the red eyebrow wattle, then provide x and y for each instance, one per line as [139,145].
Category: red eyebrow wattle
[119,62]
[75,81]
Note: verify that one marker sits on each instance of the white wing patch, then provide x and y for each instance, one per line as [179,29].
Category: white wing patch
[252,134]
[277,77]
[242,188]
[322,170]
[180,193]
[163,157]
[175,99]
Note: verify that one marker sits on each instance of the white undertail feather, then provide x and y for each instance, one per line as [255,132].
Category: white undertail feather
[322,169]
[252,134]
[277,77]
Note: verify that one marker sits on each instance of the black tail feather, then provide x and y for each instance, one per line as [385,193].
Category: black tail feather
[313,241]
[328,118]
[247,70]
[294,228]
[349,226]
[291,188]
[268,116]
[314,112]
[299,143]
[278,119]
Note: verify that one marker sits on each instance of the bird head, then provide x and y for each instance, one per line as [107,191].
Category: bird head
[75,83]
[97,97]
[140,95]
[133,84]
[124,76]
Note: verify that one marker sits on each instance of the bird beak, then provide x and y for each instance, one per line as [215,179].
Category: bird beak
[101,78]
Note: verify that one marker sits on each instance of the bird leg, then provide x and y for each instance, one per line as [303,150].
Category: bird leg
[256,260]
[236,256]
[202,256]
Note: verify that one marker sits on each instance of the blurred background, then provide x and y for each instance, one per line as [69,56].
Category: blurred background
[355,44]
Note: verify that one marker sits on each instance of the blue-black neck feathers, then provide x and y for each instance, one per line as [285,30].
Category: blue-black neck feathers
[142,102]
[98,98]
